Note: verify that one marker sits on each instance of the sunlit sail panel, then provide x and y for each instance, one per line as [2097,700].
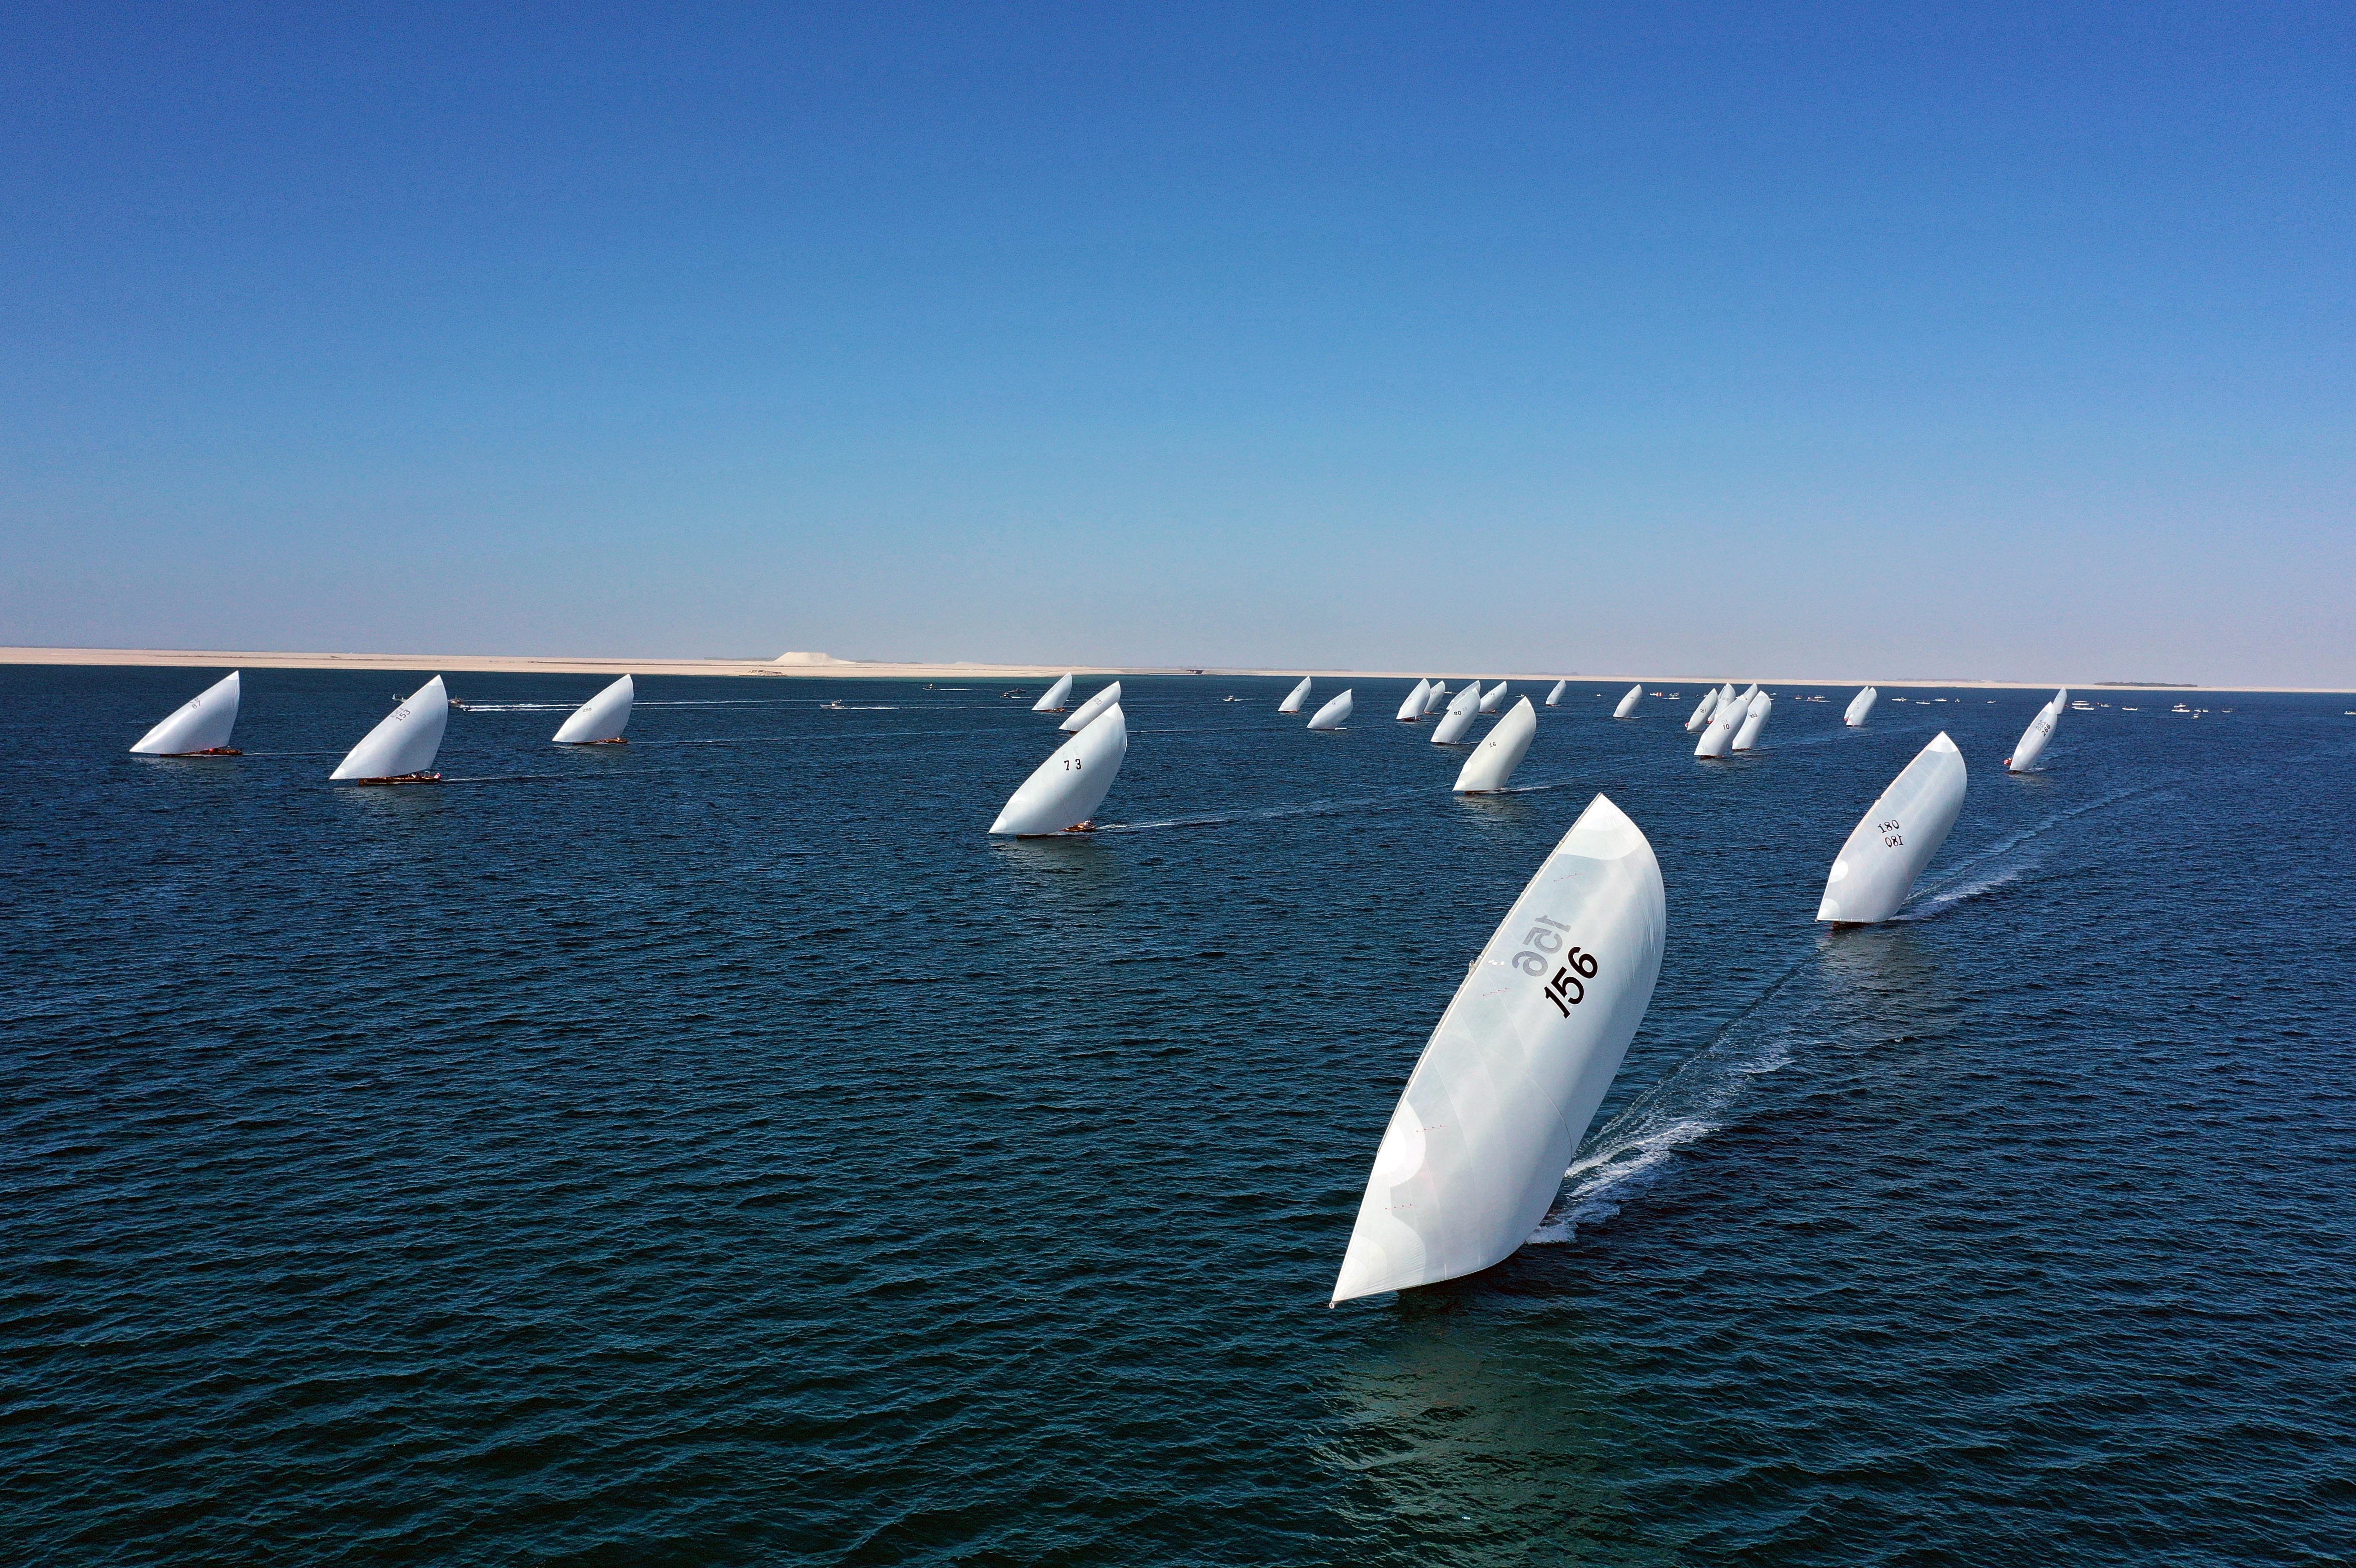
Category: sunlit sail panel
[1052,700]
[1876,869]
[1064,792]
[200,725]
[1501,751]
[1333,715]
[1627,708]
[403,744]
[1088,710]
[1462,709]
[601,719]
[1299,695]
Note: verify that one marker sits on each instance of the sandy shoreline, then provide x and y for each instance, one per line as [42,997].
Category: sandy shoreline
[846,669]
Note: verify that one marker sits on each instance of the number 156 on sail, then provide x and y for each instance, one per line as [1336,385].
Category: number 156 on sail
[1567,989]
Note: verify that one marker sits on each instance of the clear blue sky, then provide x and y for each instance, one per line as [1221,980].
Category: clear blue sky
[1882,340]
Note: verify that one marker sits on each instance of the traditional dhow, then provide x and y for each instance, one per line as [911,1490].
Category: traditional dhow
[1411,711]
[1860,705]
[1087,715]
[600,721]
[1052,700]
[1496,695]
[1299,695]
[1627,708]
[1876,869]
[1754,721]
[1717,737]
[402,748]
[1702,710]
[1492,1113]
[1063,793]
[1501,751]
[1333,715]
[1462,709]
[2040,729]
[197,728]
[1554,698]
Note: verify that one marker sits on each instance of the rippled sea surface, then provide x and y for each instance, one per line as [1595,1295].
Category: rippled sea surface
[717,1150]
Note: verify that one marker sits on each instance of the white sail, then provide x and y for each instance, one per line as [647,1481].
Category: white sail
[2032,744]
[1496,695]
[1628,701]
[1554,698]
[1702,710]
[1501,751]
[1299,695]
[1065,791]
[1860,705]
[1412,709]
[1088,712]
[200,724]
[1877,868]
[1462,709]
[1719,738]
[404,740]
[1754,721]
[1439,697]
[1332,715]
[601,718]
[1490,1119]
[1052,700]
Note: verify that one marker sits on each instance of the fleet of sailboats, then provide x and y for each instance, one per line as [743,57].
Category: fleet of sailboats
[402,748]
[1491,1116]
[197,728]
[1718,736]
[1896,839]
[600,721]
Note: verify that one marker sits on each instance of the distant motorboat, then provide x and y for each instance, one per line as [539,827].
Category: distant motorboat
[1511,1078]
[197,728]
[1063,793]
[1860,705]
[1411,711]
[1554,698]
[1896,839]
[1754,721]
[1088,712]
[1295,697]
[1496,695]
[1628,701]
[402,748]
[1333,715]
[2032,745]
[1501,751]
[1052,699]
[600,721]
[1463,709]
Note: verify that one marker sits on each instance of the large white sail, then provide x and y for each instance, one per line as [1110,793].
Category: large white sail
[1490,1119]
[1300,694]
[200,724]
[1876,869]
[1719,738]
[1065,791]
[2032,741]
[1702,710]
[1496,695]
[1862,704]
[1332,715]
[1501,751]
[1437,701]
[601,718]
[1086,713]
[1628,701]
[1554,698]
[1462,709]
[1754,721]
[1411,711]
[1052,699]
[404,740]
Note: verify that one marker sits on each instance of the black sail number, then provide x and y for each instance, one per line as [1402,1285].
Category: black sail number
[1567,986]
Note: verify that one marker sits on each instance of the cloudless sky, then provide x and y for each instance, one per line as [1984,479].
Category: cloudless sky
[1880,340]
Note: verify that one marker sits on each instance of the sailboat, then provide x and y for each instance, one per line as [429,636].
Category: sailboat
[1754,721]
[1110,696]
[400,749]
[1332,715]
[1627,708]
[1719,738]
[1876,869]
[1860,705]
[1299,695]
[1501,751]
[1437,701]
[599,720]
[1411,711]
[1052,700]
[1462,709]
[1063,793]
[1496,695]
[1554,698]
[2040,729]
[1702,710]
[1506,1086]
[198,727]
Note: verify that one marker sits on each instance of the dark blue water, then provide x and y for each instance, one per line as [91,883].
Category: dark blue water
[717,1150]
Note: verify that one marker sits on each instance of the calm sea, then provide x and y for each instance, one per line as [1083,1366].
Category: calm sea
[717,1150]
